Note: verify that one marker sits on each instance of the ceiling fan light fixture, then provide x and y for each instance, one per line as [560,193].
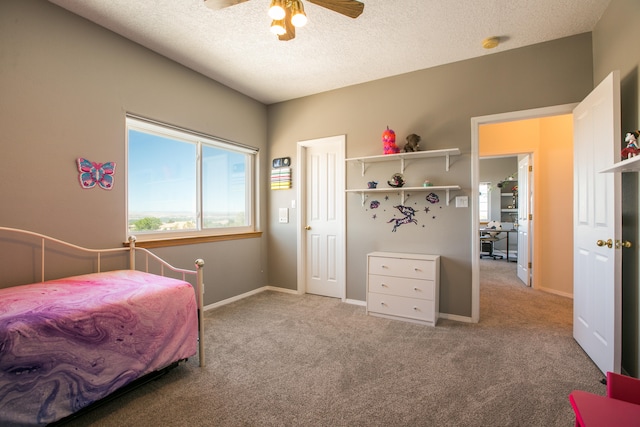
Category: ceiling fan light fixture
[276,10]
[298,17]
[277,27]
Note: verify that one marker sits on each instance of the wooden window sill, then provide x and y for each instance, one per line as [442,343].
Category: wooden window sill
[192,240]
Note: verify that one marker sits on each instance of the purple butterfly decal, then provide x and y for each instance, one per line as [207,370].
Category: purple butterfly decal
[92,173]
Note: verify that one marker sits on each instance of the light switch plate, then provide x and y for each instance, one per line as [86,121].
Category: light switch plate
[462,202]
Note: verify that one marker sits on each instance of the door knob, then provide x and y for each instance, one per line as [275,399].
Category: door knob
[308,227]
[609,243]
[623,244]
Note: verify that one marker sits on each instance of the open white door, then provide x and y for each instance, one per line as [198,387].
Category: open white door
[524,222]
[597,226]
[324,217]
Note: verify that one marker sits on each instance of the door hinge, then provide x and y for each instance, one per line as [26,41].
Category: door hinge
[530,217]
[530,168]
[529,265]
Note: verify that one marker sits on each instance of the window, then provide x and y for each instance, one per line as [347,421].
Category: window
[182,183]
[484,202]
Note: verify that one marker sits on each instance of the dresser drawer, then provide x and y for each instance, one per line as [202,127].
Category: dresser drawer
[399,267]
[401,286]
[401,306]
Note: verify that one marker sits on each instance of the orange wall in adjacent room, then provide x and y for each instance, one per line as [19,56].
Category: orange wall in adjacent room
[550,141]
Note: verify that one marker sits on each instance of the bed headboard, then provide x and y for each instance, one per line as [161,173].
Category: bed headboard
[197,275]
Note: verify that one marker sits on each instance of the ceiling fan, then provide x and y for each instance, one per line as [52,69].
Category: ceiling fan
[289,14]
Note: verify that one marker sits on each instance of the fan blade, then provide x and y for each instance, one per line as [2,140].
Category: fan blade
[350,8]
[288,26]
[221,4]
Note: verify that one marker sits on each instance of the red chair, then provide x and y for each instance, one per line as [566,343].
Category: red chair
[622,387]
[621,406]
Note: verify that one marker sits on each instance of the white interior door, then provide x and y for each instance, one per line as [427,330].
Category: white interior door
[324,218]
[597,226]
[524,222]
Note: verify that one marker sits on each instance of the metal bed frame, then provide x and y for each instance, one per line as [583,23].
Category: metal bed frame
[131,248]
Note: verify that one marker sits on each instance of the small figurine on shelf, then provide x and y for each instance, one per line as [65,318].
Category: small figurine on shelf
[631,150]
[396,181]
[372,184]
[413,141]
[389,142]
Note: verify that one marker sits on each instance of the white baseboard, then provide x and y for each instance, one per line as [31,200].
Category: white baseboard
[456,317]
[284,290]
[555,292]
[294,292]
[246,295]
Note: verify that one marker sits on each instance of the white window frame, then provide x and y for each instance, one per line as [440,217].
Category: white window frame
[488,201]
[199,139]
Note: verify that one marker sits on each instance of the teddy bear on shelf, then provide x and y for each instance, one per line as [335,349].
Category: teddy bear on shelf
[389,142]
[631,150]
[413,141]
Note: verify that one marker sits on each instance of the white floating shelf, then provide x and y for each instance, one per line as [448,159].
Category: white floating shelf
[628,165]
[364,191]
[446,153]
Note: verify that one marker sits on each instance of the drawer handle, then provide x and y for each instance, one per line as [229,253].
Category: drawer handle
[416,269]
[416,289]
[384,285]
[383,266]
[415,308]
[383,303]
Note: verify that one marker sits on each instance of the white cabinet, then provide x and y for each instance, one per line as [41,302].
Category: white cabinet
[403,159]
[403,286]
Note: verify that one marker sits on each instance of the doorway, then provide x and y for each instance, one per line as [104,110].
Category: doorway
[321,217]
[554,162]
[505,199]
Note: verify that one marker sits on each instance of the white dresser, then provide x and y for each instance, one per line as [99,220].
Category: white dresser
[403,286]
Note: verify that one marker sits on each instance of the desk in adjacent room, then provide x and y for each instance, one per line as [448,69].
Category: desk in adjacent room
[498,232]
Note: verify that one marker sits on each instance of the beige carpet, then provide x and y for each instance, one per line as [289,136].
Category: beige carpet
[277,359]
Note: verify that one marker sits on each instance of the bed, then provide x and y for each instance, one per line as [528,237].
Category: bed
[68,343]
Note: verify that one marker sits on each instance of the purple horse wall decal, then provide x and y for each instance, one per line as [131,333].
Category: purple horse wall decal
[408,213]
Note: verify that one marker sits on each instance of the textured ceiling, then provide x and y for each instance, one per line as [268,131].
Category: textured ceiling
[391,37]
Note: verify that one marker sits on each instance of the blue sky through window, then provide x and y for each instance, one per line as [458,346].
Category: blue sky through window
[162,175]
[163,182]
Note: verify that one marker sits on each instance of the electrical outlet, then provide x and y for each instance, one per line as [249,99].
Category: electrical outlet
[283,216]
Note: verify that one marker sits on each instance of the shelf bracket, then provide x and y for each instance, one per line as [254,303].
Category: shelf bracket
[447,196]
[364,197]
[447,163]
[402,167]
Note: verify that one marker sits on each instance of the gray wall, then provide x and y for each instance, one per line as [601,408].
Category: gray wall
[65,86]
[616,48]
[437,104]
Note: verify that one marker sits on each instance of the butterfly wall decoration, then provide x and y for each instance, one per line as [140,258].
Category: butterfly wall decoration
[92,173]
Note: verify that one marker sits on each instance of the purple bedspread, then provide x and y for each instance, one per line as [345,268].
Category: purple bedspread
[69,342]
